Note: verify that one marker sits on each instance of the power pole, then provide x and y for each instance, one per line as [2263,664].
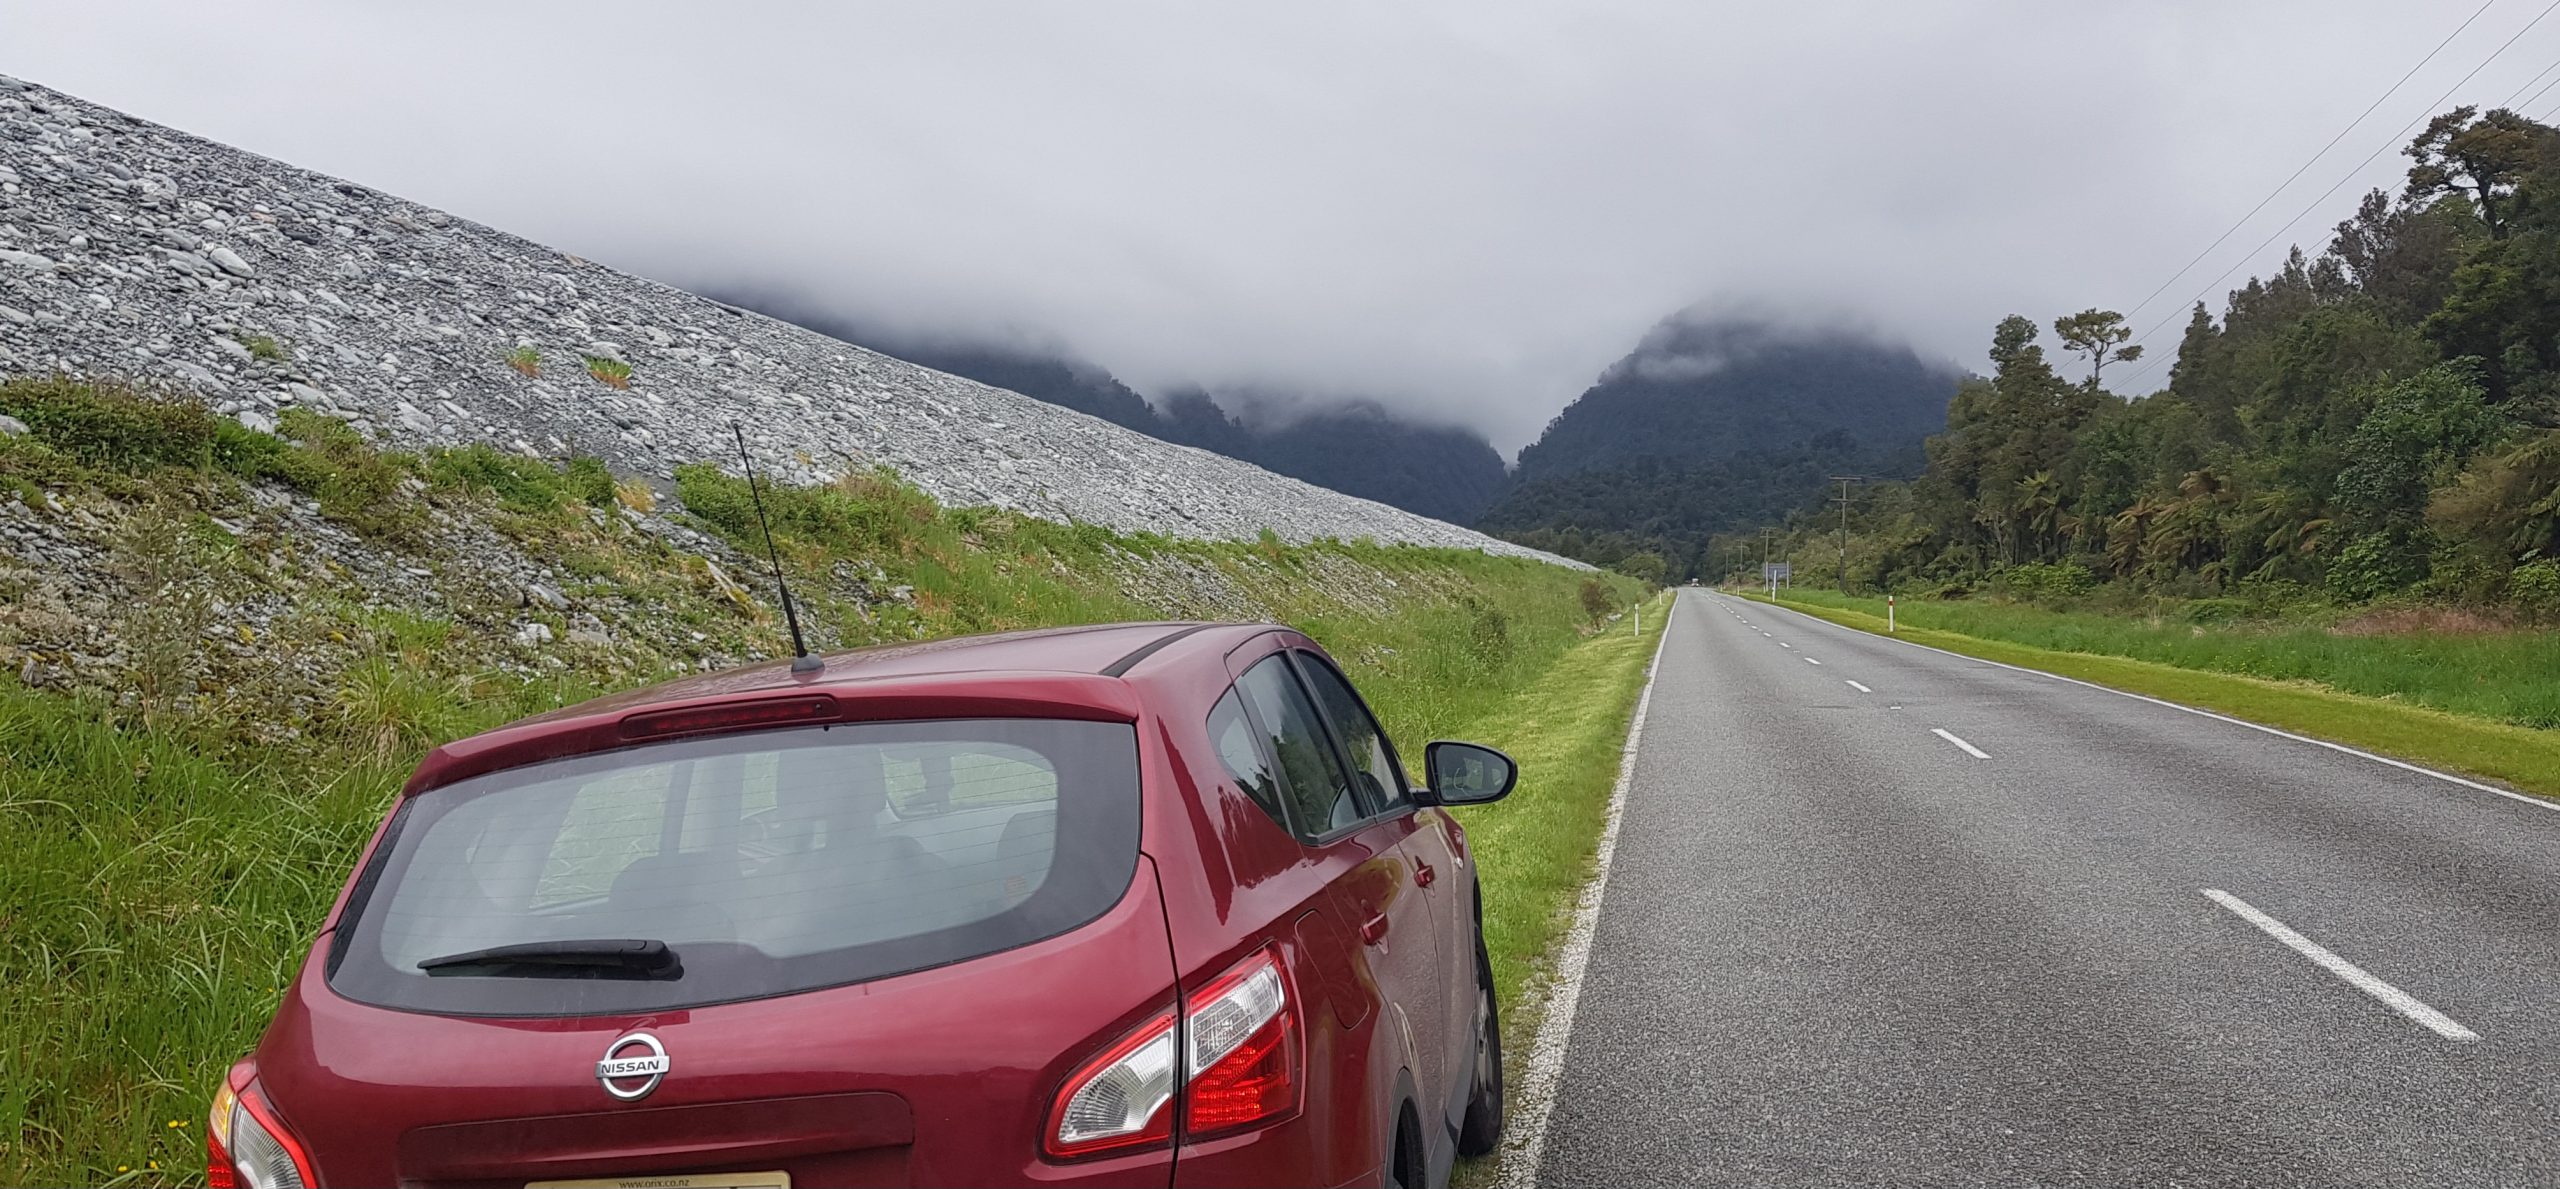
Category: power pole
[1844,481]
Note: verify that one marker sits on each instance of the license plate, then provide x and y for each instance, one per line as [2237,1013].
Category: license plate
[712,1180]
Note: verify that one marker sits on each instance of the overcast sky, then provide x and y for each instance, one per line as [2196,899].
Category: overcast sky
[1463,210]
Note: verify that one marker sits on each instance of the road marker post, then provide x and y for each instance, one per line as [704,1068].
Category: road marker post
[1888,615]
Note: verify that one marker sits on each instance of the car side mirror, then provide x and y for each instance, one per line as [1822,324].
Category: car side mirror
[1466,773]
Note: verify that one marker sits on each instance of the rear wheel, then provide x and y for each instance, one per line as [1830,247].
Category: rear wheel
[1481,1132]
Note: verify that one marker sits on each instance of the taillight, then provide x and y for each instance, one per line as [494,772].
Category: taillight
[245,1145]
[1121,1099]
[1243,1041]
[1232,1056]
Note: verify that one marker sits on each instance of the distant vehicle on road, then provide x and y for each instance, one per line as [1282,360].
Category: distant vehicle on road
[1136,904]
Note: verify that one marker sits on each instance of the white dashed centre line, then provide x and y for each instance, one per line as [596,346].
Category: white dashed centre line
[1784,644]
[1811,661]
[2399,1000]
[1969,749]
[1860,688]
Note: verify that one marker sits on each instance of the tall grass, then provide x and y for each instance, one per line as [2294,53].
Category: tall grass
[2508,676]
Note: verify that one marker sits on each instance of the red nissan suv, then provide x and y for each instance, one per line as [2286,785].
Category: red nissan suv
[1135,904]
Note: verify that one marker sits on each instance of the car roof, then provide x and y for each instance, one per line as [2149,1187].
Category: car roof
[1093,648]
[1071,666]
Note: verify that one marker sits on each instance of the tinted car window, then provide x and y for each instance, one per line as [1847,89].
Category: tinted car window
[1232,734]
[1362,740]
[769,862]
[1312,779]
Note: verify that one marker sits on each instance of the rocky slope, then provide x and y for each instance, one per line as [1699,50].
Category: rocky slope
[131,249]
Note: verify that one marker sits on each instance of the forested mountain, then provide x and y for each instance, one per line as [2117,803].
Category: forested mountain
[2381,418]
[1076,385]
[1359,448]
[1712,425]
[1355,447]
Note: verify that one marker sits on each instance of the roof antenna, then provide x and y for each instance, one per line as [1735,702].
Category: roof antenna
[801,661]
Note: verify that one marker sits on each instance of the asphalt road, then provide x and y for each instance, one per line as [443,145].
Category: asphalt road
[1880,915]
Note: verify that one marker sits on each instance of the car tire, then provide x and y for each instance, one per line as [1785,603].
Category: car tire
[1481,1132]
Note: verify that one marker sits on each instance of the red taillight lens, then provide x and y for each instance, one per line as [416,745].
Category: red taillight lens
[1233,1060]
[245,1145]
[1120,1100]
[1242,1036]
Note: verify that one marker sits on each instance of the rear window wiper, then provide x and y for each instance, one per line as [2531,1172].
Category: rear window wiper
[592,957]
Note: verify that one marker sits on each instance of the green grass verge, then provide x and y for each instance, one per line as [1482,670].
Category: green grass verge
[1534,849]
[1535,846]
[2521,757]
[2501,675]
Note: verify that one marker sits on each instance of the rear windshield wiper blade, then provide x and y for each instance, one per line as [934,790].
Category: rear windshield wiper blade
[593,957]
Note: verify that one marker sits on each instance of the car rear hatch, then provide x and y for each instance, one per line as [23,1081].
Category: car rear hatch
[857,953]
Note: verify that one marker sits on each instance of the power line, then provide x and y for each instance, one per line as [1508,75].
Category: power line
[2315,158]
[2510,101]
[2333,188]
[2537,96]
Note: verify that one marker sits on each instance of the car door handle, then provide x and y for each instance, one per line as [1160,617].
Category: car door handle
[1423,874]
[1373,930]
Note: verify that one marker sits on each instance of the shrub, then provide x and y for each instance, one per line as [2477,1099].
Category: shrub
[242,451]
[589,480]
[2374,565]
[614,372]
[263,346]
[526,360]
[2274,596]
[357,485]
[2534,588]
[2056,580]
[521,484]
[112,425]
[1596,600]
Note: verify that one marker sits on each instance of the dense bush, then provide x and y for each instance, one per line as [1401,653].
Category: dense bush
[112,425]
[1596,601]
[2534,588]
[2374,565]
[2055,580]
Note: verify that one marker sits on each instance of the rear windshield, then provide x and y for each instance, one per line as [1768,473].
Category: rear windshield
[765,863]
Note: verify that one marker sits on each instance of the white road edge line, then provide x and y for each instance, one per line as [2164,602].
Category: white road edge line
[1969,749]
[1860,688]
[2403,765]
[1811,661]
[2355,976]
[1525,1144]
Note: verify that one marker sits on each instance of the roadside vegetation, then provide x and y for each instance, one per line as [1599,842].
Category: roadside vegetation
[2479,702]
[2375,423]
[1568,730]
[214,701]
